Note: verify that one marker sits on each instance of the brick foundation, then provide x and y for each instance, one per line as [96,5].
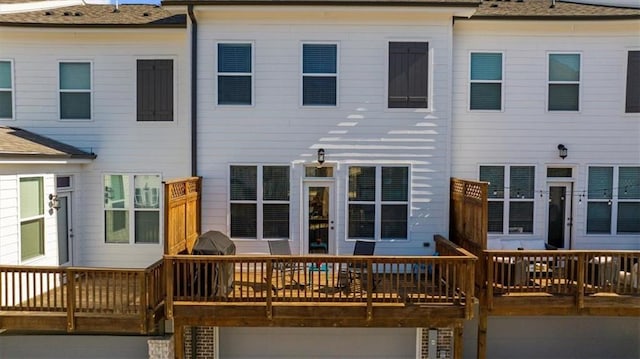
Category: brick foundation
[161,348]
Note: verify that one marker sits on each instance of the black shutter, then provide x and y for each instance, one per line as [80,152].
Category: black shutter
[155,90]
[633,82]
[408,74]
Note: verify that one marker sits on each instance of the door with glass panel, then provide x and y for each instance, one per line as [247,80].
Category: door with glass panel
[559,215]
[319,217]
[65,229]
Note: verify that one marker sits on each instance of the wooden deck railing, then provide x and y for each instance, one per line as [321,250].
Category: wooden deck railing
[580,274]
[369,280]
[134,295]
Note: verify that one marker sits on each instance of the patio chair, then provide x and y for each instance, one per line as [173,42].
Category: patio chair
[357,272]
[283,269]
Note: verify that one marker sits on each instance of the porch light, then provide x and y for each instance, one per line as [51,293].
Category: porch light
[320,156]
[53,201]
[562,151]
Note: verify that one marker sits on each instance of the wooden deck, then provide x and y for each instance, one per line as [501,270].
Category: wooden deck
[81,300]
[563,283]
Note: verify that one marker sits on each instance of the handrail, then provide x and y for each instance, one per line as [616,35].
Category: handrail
[563,272]
[81,291]
[369,280]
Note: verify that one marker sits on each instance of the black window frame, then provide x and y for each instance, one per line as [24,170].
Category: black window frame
[632,101]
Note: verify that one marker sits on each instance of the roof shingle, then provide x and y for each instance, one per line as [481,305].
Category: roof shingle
[549,9]
[97,15]
[16,142]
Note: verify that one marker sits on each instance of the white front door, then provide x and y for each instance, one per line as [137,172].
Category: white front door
[559,214]
[319,217]
[65,230]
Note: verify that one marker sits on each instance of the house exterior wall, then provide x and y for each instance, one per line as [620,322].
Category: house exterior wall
[360,130]
[10,218]
[525,133]
[122,145]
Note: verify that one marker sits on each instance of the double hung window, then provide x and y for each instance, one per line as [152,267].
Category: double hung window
[613,200]
[75,90]
[485,91]
[564,82]
[259,201]
[6,90]
[510,208]
[132,208]
[378,202]
[319,74]
[154,90]
[235,74]
[408,75]
[31,217]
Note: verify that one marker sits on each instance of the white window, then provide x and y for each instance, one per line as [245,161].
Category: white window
[613,200]
[75,90]
[6,90]
[378,202]
[319,74]
[259,201]
[564,82]
[510,207]
[235,73]
[31,217]
[485,81]
[132,208]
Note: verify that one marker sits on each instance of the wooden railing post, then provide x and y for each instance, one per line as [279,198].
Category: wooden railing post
[144,300]
[168,267]
[369,289]
[269,307]
[71,300]
[581,281]
[489,280]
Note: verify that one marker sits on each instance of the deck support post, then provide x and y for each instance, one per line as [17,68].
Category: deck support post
[178,337]
[458,342]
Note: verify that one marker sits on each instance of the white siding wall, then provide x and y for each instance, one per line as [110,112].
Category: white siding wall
[122,144]
[524,132]
[10,219]
[360,130]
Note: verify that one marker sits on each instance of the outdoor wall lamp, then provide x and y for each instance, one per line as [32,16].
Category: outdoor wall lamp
[54,203]
[321,156]
[562,151]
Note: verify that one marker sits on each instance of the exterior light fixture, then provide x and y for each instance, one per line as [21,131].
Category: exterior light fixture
[562,151]
[320,156]
[54,203]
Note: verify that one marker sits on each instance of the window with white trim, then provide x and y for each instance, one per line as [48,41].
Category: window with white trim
[75,90]
[564,82]
[485,82]
[31,217]
[378,202]
[6,90]
[613,200]
[259,201]
[132,208]
[510,208]
[235,73]
[319,74]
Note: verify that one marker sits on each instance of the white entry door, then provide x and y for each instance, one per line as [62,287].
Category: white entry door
[65,230]
[319,217]
[559,215]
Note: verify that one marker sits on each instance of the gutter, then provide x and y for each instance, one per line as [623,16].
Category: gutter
[194,91]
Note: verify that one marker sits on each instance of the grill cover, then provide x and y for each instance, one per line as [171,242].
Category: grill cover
[214,243]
